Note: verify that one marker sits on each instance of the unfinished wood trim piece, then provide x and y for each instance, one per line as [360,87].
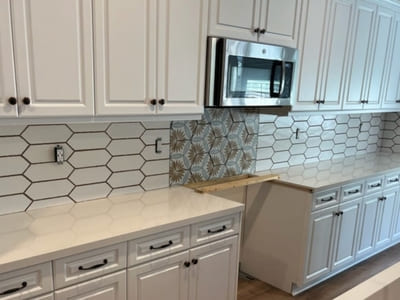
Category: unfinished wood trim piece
[231,182]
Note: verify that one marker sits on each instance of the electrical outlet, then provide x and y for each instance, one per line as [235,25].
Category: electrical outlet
[59,154]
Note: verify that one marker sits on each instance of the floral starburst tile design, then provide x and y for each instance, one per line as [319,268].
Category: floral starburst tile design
[223,143]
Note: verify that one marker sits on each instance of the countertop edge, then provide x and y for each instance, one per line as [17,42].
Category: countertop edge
[92,245]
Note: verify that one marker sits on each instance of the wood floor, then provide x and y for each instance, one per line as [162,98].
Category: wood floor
[257,290]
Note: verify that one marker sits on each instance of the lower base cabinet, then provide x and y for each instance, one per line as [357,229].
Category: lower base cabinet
[206,272]
[110,287]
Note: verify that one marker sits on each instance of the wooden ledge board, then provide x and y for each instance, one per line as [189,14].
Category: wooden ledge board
[230,182]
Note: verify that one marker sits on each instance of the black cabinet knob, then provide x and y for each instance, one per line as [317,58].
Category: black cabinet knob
[161,101]
[153,102]
[186,264]
[262,31]
[26,101]
[256,30]
[195,261]
[12,100]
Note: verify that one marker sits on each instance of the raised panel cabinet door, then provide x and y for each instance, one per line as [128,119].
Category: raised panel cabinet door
[314,18]
[362,37]
[182,35]
[396,220]
[384,228]
[280,20]
[368,223]
[8,88]
[336,53]
[110,287]
[345,247]
[235,19]
[125,56]
[214,270]
[379,58]
[392,97]
[54,57]
[166,278]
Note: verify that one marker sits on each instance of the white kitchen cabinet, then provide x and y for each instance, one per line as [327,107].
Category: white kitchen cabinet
[150,56]
[166,278]
[53,57]
[323,54]
[264,21]
[386,213]
[344,249]
[368,224]
[110,287]
[361,48]
[8,88]
[321,238]
[380,58]
[391,98]
[214,270]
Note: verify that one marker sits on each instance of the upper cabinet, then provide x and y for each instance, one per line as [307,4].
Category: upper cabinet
[150,56]
[323,54]
[53,56]
[265,21]
[8,92]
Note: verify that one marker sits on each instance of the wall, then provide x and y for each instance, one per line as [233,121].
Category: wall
[320,138]
[391,133]
[101,160]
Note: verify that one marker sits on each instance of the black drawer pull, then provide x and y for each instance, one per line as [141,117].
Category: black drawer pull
[82,268]
[375,185]
[223,228]
[10,291]
[327,199]
[393,180]
[382,198]
[162,246]
[353,192]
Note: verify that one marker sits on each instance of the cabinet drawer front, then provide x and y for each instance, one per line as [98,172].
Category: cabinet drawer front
[158,245]
[26,283]
[392,180]
[88,265]
[373,185]
[110,287]
[352,191]
[325,199]
[214,229]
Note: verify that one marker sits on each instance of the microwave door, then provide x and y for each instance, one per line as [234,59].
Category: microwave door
[277,81]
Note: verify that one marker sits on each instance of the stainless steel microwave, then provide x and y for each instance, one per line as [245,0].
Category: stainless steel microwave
[246,74]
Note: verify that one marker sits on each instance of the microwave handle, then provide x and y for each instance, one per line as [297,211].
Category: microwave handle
[283,78]
[272,92]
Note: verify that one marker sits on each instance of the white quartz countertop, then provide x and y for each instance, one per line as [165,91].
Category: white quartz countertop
[45,234]
[323,174]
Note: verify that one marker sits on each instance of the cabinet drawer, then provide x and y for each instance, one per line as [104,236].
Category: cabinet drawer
[373,185]
[325,199]
[352,191]
[158,245]
[88,265]
[26,283]
[214,229]
[392,180]
[111,287]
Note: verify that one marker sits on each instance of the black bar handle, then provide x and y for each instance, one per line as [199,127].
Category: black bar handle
[353,192]
[82,268]
[256,30]
[375,185]
[10,291]
[162,246]
[223,228]
[327,199]
[262,31]
[393,180]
